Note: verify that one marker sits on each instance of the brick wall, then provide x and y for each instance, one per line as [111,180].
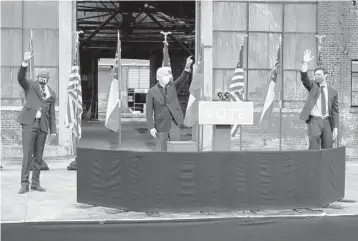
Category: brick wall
[11,147]
[338,20]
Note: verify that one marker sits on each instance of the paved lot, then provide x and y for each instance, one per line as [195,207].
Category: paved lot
[59,202]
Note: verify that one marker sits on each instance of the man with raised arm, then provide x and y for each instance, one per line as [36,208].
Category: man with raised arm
[162,101]
[37,118]
[321,110]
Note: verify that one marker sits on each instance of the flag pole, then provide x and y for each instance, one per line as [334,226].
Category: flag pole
[119,75]
[319,62]
[245,89]
[32,61]
[76,63]
[281,94]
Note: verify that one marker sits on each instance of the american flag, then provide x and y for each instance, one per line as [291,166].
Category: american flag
[236,87]
[74,104]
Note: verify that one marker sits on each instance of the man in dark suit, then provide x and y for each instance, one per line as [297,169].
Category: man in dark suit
[321,110]
[44,166]
[37,118]
[162,100]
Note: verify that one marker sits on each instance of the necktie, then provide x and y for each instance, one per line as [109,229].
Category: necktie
[323,101]
[43,92]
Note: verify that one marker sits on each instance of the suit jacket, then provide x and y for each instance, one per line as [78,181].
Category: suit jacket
[33,102]
[165,107]
[314,92]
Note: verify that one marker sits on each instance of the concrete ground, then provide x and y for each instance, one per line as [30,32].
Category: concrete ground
[59,202]
[134,136]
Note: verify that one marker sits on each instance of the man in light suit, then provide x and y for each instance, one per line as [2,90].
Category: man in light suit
[162,101]
[37,118]
[321,110]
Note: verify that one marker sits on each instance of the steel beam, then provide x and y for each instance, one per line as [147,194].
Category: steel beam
[101,26]
[104,5]
[165,30]
[94,16]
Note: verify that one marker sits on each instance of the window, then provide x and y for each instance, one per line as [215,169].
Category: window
[354,84]
[138,78]
[264,23]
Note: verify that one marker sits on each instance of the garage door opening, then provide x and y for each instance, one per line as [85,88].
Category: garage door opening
[140,25]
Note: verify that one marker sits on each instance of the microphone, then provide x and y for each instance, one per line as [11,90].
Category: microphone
[221,96]
[229,96]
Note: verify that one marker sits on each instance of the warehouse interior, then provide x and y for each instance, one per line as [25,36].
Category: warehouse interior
[140,24]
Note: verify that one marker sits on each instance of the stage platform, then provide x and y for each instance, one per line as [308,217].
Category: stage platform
[55,215]
[135,136]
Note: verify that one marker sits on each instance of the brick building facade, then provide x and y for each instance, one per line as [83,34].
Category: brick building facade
[338,20]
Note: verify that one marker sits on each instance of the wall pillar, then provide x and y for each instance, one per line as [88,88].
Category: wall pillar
[65,23]
[206,28]
[153,69]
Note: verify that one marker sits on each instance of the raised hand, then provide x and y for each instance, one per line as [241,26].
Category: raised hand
[27,56]
[189,61]
[307,56]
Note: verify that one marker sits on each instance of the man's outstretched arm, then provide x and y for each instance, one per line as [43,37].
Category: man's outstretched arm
[21,76]
[185,74]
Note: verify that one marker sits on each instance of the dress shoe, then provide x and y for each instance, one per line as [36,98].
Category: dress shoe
[72,166]
[43,167]
[23,189]
[38,188]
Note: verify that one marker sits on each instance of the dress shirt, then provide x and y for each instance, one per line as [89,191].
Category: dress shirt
[47,92]
[317,108]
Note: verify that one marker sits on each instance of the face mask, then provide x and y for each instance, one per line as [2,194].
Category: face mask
[319,80]
[164,80]
[43,81]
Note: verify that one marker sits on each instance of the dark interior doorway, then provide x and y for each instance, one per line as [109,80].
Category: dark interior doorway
[140,25]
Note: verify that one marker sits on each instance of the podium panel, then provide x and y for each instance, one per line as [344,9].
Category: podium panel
[217,181]
[226,113]
[222,115]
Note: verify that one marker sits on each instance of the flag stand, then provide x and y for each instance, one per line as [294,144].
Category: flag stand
[281,94]
[74,139]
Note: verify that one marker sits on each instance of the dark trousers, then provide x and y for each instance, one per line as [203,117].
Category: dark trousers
[33,140]
[172,135]
[319,133]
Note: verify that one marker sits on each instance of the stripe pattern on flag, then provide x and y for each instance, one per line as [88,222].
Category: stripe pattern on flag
[74,104]
[237,86]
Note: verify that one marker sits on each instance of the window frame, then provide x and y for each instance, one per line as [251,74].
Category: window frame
[353,105]
[282,32]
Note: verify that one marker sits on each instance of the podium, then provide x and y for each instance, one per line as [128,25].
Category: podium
[223,115]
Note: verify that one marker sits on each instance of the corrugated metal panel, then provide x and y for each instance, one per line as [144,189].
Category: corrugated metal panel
[133,75]
[144,78]
[138,78]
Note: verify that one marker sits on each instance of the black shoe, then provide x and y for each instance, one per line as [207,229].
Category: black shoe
[43,167]
[72,166]
[23,189]
[38,188]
